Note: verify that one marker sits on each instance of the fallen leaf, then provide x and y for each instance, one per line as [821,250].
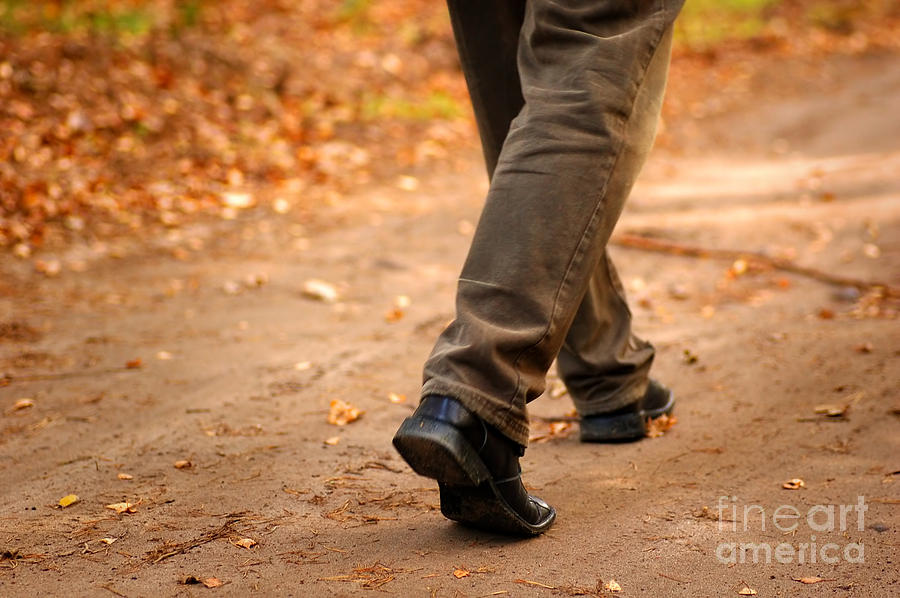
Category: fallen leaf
[394,315]
[247,543]
[21,404]
[396,398]
[256,280]
[739,267]
[123,507]
[183,464]
[613,586]
[68,500]
[747,591]
[557,428]
[281,206]
[832,410]
[402,301]
[460,573]
[408,183]
[108,541]
[870,250]
[826,314]
[302,366]
[333,440]
[794,484]
[659,426]
[125,476]
[810,580]
[164,356]
[679,292]
[238,201]
[49,267]
[134,364]
[544,432]
[342,413]
[212,582]
[320,290]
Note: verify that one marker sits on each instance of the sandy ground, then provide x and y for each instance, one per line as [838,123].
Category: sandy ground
[237,377]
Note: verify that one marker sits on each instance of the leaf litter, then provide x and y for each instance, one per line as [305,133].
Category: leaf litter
[370,577]
[342,413]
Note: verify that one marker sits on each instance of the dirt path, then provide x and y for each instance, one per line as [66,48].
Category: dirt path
[236,377]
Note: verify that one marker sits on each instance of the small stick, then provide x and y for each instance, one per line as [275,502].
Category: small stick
[670,247]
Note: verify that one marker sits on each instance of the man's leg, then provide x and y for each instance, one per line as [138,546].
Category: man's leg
[487,37]
[592,75]
[603,365]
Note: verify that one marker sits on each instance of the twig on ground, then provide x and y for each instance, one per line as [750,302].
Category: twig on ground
[670,247]
[165,552]
[6,379]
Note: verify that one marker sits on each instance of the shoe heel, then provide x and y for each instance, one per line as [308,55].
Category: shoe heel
[620,428]
[437,450]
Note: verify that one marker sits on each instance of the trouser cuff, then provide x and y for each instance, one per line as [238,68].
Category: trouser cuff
[509,421]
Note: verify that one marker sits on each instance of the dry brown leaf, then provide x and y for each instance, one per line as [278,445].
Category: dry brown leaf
[209,582]
[108,541]
[238,201]
[125,476]
[342,413]
[68,500]
[394,315]
[460,573]
[247,543]
[183,464]
[545,432]
[794,484]
[21,404]
[320,290]
[659,426]
[123,507]
[396,398]
[333,440]
[747,591]
[613,586]
[832,410]
[810,580]
[407,183]
[134,364]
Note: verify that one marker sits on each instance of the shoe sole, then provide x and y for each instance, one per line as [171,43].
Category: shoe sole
[437,450]
[622,428]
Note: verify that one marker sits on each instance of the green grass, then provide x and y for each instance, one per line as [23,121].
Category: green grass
[98,16]
[704,23]
[436,105]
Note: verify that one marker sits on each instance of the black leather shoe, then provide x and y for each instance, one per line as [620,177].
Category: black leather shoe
[629,423]
[476,467]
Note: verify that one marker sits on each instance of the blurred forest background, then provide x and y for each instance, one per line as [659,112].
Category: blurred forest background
[133,117]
